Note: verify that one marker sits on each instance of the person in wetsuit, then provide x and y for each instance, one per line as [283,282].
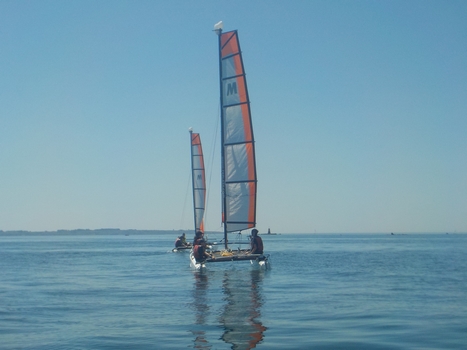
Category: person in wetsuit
[256,243]
[181,241]
[199,251]
[199,235]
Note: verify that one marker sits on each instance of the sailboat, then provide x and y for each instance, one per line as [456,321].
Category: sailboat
[238,163]
[198,181]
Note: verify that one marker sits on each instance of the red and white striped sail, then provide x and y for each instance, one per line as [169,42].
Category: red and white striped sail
[238,149]
[198,180]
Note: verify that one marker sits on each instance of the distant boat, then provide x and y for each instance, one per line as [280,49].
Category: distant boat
[238,164]
[198,181]
[183,248]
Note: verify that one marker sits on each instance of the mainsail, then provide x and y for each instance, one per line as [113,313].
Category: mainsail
[198,180]
[238,149]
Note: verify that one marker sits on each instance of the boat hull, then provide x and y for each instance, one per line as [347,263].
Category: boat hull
[260,260]
[181,249]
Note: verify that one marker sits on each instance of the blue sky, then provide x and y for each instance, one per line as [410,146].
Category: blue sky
[359,112]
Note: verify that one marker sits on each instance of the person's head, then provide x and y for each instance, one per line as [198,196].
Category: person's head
[183,235]
[199,233]
[254,232]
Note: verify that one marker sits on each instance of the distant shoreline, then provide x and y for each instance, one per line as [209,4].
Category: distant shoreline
[103,231]
[128,232]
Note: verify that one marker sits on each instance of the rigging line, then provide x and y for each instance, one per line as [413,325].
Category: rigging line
[184,204]
[213,152]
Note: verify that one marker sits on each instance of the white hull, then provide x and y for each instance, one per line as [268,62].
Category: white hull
[258,260]
[193,263]
[181,249]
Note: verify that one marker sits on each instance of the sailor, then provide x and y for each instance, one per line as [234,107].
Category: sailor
[198,236]
[181,241]
[256,243]
[199,251]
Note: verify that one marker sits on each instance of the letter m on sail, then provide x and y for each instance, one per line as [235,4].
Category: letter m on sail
[232,88]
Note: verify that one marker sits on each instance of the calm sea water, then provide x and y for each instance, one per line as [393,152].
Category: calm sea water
[322,292]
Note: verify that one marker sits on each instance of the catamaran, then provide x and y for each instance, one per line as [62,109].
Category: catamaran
[198,181]
[238,163]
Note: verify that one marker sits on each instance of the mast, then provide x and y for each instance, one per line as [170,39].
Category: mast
[218,29]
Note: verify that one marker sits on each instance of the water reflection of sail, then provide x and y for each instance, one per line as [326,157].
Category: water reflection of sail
[241,316]
[201,308]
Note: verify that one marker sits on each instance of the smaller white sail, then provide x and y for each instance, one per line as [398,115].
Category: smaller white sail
[198,180]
